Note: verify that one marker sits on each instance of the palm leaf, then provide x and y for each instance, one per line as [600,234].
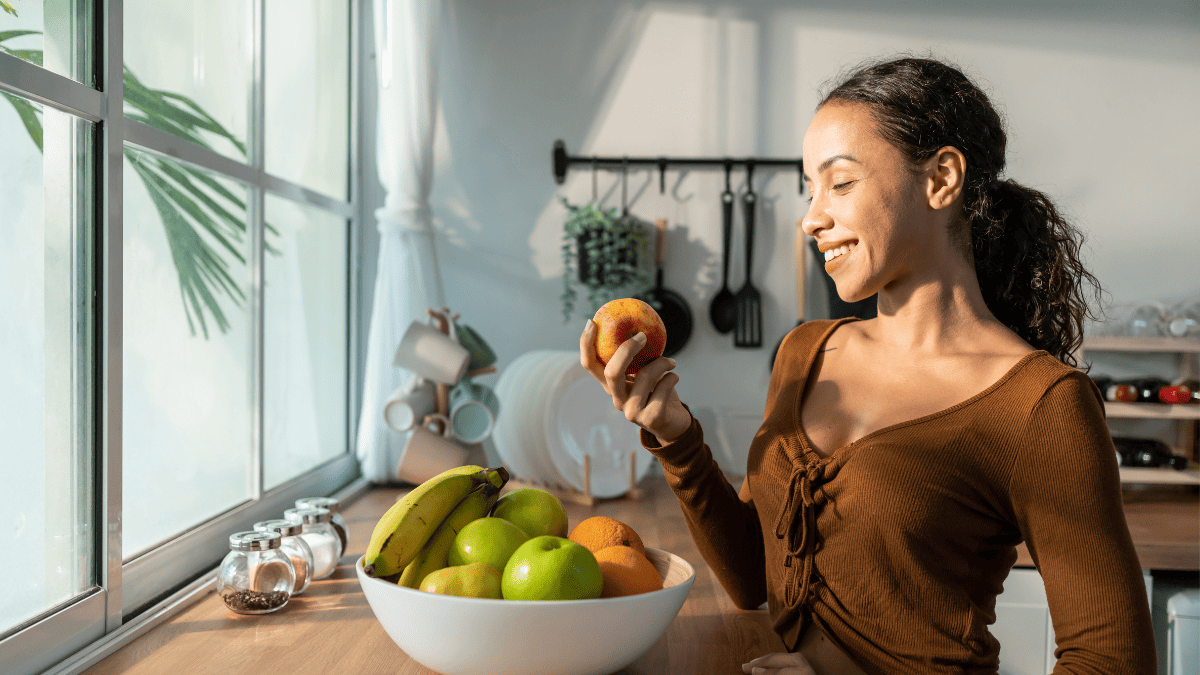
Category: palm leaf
[188,200]
[29,117]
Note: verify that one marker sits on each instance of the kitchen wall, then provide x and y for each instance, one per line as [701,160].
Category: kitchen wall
[1100,100]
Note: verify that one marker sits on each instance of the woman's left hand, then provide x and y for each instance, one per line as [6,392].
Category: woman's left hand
[783,663]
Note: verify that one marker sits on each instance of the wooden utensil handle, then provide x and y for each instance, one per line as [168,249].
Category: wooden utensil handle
[661,225]
[801,268]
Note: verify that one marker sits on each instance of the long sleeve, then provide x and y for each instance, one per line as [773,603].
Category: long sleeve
[1066,496]
[723,523]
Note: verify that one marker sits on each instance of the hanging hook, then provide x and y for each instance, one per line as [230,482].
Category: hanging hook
[662,175]
[728,168]
[750,175]
[594,191]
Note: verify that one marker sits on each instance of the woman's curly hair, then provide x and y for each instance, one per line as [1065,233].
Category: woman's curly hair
[1026,254]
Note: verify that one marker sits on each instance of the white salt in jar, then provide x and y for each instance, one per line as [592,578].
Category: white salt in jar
[317,530]
[339,523]
[294,548]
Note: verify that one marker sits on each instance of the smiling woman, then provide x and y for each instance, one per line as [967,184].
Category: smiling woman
[903,458]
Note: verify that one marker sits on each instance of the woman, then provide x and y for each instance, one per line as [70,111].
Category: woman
[902,458]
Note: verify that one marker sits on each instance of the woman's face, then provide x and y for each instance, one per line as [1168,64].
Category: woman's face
[869,212]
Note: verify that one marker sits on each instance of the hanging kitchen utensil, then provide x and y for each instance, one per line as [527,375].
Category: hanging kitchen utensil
[801,271]
[748,332]
[671,306]
[722,311]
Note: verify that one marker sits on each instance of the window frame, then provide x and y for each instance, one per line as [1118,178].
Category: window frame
[131,596]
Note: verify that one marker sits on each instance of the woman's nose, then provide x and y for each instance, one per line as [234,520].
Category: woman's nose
[816,219]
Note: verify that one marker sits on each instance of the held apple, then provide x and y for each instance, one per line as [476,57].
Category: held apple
[621,319]
[551,568]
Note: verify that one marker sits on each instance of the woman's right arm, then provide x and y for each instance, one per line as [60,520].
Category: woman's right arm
[723,522]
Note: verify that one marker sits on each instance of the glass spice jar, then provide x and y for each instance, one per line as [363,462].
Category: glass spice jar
[339,523]
[256,577]
[296,549]
[318,531]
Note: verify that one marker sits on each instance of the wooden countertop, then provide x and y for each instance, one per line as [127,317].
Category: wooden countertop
[330,628]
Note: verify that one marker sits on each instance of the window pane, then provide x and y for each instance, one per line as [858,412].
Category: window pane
[305,339]
[199,53]
[56,34]
[307,93]
[47,520]
[187,338]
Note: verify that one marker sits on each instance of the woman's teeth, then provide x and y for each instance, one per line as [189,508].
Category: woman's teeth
[841,250]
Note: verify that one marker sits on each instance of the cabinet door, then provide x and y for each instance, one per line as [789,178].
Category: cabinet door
[1023,624]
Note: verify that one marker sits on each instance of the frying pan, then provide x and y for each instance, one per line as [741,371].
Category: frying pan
[671,306]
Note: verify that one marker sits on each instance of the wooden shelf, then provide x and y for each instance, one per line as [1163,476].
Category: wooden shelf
[1157,411]
[1160,475]
[1112,343]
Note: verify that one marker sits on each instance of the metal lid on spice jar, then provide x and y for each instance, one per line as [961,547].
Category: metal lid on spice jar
[254,541]
[309,515]
[283,526]
[318,502]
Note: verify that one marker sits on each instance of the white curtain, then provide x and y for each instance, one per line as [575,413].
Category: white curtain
[408,280]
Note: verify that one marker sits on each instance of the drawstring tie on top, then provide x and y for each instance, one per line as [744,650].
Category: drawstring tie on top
[801,547]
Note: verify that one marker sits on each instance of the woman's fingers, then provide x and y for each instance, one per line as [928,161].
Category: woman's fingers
[587,351]
[783,663]
[614,372]
[647,380]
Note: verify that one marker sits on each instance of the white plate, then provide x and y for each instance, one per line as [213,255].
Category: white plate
[532,406]
[509,388]
[557,364]
[582,420]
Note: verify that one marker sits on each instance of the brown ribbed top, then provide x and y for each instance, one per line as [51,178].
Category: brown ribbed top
[898,543]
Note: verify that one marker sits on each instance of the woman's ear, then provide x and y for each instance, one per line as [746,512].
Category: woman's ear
[947,170]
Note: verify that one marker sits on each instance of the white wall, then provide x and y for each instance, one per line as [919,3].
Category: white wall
[1100,99]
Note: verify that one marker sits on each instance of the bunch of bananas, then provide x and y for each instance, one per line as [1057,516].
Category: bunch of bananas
[415,535]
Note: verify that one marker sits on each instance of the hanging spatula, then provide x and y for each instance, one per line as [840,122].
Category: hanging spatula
[748,332]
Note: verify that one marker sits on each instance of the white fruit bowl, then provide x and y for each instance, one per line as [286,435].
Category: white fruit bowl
[476,636]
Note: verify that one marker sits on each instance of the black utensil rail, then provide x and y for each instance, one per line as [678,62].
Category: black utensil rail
[563,161]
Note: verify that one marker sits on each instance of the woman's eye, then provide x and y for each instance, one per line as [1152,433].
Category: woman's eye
[842,186]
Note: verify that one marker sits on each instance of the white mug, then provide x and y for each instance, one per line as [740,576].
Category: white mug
[469,422]
[409,404]
[429,353]
[427,454]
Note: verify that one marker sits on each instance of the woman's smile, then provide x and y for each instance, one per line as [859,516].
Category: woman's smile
[838,256]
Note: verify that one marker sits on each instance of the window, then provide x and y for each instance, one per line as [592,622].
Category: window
[177,213]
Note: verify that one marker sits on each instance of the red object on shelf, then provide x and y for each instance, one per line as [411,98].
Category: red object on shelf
[1125,393]
[1177,394]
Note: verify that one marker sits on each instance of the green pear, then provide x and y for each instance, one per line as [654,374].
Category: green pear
[474,580]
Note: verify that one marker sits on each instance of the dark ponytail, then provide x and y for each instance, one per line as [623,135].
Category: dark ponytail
[1026,254]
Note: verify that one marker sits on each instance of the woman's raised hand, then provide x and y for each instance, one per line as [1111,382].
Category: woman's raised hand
[782,663]
[648,398]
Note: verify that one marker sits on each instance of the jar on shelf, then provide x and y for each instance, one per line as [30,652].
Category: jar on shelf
[317,529]
[256,577]
[339,522]
[296,549]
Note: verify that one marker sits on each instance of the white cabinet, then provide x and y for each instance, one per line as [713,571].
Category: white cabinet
[1183,417]
[1023,624]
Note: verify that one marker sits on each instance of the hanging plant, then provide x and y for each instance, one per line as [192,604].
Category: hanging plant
[601,252]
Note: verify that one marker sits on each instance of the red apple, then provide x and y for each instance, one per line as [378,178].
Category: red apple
[619,320]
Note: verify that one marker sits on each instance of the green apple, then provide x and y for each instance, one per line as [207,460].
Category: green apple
[489,540]
[476,580]
[536,511]
[551,568]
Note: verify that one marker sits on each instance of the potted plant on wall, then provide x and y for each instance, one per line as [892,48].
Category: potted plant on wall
[601,249]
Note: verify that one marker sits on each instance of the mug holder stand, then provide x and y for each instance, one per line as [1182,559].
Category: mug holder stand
[585,497]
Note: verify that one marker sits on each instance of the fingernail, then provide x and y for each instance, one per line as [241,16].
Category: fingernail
[672,362]
[587,326]
[640,337]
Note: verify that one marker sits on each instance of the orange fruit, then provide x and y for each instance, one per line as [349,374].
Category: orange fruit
[626,572]
[600,532]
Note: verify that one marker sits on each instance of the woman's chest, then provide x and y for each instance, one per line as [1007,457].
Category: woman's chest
[847,399]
